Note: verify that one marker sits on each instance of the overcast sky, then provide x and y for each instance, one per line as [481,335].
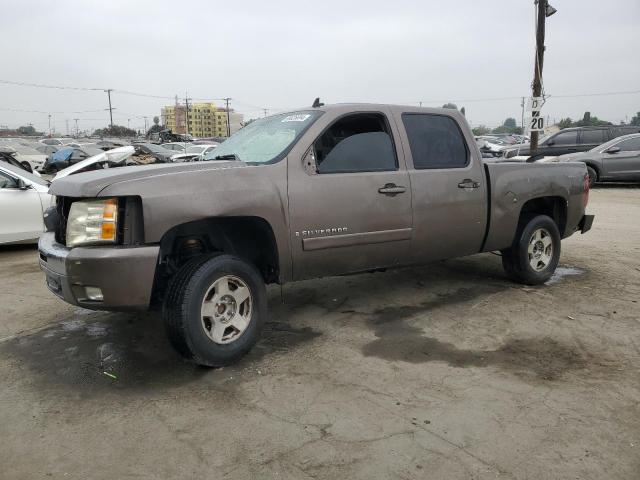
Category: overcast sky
[282,54]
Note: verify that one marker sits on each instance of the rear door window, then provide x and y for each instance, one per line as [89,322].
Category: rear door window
[360,142]
[436,141]
[593,136]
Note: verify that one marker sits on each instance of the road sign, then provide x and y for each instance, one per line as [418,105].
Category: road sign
[535,123]
[534,104]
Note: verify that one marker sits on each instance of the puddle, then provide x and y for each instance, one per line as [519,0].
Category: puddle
[86,354]
[562,272]
[397,340]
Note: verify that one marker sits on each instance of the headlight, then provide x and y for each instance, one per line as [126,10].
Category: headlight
[92,222]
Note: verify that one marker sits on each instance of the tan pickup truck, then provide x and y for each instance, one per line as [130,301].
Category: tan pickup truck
[321,191]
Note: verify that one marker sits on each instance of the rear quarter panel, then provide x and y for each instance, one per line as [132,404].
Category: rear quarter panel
[512,184]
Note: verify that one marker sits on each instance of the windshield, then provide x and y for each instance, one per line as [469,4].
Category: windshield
[156,148]
[196,149]
[267,139]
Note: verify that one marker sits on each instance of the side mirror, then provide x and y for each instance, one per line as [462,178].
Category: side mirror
[613,149]
[22,185]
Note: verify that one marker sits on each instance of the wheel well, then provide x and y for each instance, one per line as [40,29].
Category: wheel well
[595,167]
[554,207]
[250,238]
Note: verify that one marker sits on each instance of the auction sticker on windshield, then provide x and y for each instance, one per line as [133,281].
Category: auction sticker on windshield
[301,117]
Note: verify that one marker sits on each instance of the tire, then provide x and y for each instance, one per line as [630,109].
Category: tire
[593,175]
[534,255]
[198,288]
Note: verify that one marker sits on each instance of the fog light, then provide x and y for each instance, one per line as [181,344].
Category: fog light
[94,294]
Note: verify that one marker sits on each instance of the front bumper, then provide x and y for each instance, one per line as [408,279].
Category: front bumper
[123,274]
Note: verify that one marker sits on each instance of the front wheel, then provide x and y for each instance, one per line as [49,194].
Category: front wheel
[535,252]
[215,309]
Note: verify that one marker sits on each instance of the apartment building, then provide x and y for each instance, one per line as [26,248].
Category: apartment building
[200,120]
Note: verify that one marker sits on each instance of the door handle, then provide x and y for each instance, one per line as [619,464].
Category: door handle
[391,189]
[468,183]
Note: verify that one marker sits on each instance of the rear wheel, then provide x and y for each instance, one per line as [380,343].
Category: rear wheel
[593,175]
[535,253]
[215,309]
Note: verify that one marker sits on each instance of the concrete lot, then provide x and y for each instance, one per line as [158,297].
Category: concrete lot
[447,371]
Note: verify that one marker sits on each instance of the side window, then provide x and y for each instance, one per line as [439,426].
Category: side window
[356,143]
[631,145]
[593,136]
[7,181]
[436,141]
[565,138]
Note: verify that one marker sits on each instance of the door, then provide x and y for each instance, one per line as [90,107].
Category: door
[349,197]
[20,211]
[622,164]
[561,144]
[448,187]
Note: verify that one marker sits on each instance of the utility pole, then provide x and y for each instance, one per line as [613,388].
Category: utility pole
[76,119]
[66,121]
[522,115]
[145,125]
[265,110]
[186,113]
[228,124]
[128,123]
[49,125]
[544,10]
[110,109]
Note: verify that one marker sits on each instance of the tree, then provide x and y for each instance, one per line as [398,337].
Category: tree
[154,128]
[28,130]
[156,120]
[590,121]
[565,123]
[115,131]
[636,120]
[450,105]
[510,123]
[481,130]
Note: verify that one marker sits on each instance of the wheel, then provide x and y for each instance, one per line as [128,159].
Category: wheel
[215,309]
[535,253]
[593,175]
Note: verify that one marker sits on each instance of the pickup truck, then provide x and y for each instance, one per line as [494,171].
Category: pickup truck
[327,190]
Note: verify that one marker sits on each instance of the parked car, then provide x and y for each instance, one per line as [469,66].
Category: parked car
[7,156]
[617,160]
[572,140]
[492,146]
[160,153]
[23,199]
[47,149]
[56,141]
[67,156]
[115,157]
[176,146]
[194,153]
[324,191]
[30,158]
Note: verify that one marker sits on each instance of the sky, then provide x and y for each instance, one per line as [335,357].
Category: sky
[279,55]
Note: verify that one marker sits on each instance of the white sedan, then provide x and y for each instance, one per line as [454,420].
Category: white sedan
[23,199]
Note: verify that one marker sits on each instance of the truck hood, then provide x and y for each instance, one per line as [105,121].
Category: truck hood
[90,184]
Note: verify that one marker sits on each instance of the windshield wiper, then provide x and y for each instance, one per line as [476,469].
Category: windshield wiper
[229,156]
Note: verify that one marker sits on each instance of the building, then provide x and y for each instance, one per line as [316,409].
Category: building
[201,119]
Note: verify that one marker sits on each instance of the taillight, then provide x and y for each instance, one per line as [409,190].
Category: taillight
[585,187]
